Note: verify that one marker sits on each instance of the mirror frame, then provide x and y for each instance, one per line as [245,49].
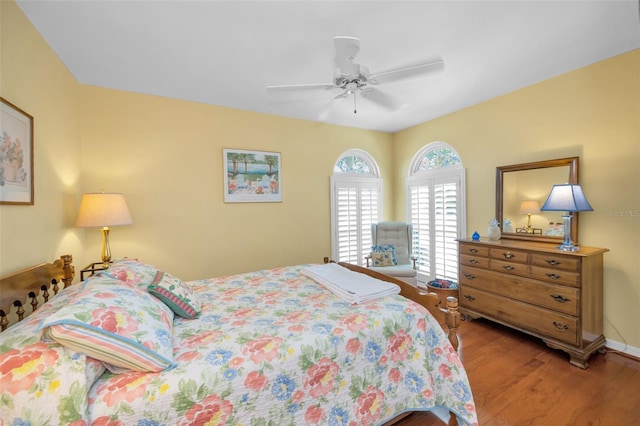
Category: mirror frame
[572,162]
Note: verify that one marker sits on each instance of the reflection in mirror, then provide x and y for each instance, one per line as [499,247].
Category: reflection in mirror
[520,191]
[529,189]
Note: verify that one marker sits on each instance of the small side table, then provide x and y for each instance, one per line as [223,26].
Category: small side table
[91,269]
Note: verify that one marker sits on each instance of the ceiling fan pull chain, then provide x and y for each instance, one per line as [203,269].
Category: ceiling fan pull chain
[355,109]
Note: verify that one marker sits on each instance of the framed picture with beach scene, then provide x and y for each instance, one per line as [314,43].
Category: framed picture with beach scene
[16,155]
[252,176]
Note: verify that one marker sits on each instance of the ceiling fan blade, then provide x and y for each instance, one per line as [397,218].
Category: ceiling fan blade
[293,87]
[323,111]
[415,70]
[379,98]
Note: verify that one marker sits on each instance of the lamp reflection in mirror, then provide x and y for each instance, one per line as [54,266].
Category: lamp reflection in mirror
[103,210]
[568,198]
[529,207]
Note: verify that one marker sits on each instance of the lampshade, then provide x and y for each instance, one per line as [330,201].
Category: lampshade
[103,209]
[566,197]
[529,207]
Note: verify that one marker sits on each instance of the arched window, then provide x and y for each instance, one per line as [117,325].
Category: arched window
[436,208]
[356,203]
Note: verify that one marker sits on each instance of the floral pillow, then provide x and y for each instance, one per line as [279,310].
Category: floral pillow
[125,327]
[132,272]
[382,259]
[176,295]
[384,255]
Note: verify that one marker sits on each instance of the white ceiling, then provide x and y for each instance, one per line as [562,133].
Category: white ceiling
[226,52]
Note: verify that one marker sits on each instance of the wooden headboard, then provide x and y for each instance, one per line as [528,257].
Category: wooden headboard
[32,286]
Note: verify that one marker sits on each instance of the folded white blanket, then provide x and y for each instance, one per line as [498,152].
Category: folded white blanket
[349,285]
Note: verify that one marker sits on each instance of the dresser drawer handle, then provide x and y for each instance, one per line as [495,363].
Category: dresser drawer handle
[473,261]
[508,255]
[552,262]
[469,298]
[560,326]
[470,276]
[508,267]
[473,250]
[554,276]
[559,298]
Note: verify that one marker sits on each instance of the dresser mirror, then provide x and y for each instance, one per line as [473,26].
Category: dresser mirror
[521,189]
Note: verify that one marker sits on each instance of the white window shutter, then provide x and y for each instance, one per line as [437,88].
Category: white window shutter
[347,220]
[356,206]
[446,230]
[420,211]
[436,210]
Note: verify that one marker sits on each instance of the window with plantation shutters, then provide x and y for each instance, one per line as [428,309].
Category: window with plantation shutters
[356,203]
[436,208]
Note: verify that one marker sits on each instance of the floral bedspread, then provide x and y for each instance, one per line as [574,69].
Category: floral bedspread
[273,348]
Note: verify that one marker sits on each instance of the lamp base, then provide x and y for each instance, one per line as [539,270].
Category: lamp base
[567,244]
[568,247]
[106,250]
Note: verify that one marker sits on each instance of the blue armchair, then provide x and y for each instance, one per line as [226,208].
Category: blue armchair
[391,251]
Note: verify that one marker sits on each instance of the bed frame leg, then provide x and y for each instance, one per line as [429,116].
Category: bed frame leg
[452,320]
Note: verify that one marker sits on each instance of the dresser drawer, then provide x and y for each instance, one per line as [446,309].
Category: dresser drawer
[557,262]
[476,277]
[557,297]
[482,262]
[521,315]
[510,267]
[515,256]
[556,276]
[474,250]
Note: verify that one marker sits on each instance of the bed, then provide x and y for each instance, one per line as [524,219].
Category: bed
[137,346]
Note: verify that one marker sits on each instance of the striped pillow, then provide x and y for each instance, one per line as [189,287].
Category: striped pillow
[176,295]
[123,326]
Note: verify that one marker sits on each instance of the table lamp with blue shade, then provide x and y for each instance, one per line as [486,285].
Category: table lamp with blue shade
[568,198]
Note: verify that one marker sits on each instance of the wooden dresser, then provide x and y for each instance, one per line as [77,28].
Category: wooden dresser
[536,288]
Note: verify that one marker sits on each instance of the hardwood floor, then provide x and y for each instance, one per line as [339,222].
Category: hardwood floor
[517,380]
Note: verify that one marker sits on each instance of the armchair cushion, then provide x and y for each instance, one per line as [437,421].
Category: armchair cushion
[384,255]
[396,270]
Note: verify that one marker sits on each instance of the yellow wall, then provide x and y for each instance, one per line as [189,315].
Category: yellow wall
[593,113]
[33,78]
[166,156]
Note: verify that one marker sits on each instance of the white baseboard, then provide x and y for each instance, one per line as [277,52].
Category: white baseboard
[624,348]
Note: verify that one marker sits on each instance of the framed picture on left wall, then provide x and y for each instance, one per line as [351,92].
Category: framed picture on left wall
[16,155]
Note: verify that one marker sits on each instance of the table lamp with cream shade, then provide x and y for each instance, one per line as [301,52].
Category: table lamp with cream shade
[529,207]
[103,209]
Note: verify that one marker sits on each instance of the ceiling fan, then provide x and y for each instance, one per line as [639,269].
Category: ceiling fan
[352,78]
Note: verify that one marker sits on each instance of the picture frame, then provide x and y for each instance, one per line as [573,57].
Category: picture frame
[252,176]
[16,155]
